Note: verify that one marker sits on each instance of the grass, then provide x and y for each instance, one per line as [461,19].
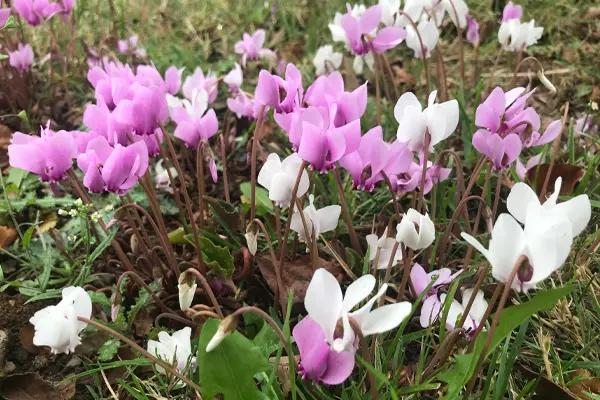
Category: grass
[553,347]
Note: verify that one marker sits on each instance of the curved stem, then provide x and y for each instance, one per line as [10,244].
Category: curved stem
[267,318]
[253,177]
[166,366]
[164,308]
[555,150]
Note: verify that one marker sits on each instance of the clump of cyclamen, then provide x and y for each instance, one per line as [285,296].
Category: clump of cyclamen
[35,12]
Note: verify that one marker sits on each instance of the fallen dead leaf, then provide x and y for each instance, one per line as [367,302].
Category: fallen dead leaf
[585,382]
[26,338]
[8,235]
[29,387]
[296,275]
[571,174]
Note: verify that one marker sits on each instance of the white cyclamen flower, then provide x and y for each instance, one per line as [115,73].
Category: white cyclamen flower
[279,178]
[186,293]
[326,60]
[389,11]
[515,35]
[57,326]
[456,310]
[577,210]
[326,305]
[437,119]
[415,230]
[163,182]
[174,349]
[384,245]
[317,221]
[359,62]
[429,33]
[545,241]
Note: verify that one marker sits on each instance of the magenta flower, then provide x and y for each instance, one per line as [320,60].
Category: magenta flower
[329,89]
[373,157]
[522,169]
[502,151]
[282,95]
[234,78]
[318,361]
[251,47]
[114,169]
[504,119]
[34,12]
[419,279]
[173,79]
[362,35]
[472,31]
[4,15]
[145,112]
[111,82]
[22,58]
[321,143]
[199,81]
[49,156]
[411,180]
[194,123]
[511,11]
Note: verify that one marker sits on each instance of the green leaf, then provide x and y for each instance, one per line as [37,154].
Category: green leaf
[267,340]
[263,203]
[108,350]
[217,258]
[231,367]
[177,236]
[459,373]
[27,236]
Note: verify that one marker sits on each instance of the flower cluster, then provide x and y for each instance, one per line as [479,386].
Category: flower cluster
[507,125]
[515,35]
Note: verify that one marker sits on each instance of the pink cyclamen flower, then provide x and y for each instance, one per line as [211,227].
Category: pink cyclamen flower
[322,144]
[4,15]
[251,47]
[34,12]
[363,36]
[410,180]
[522,169]
[282,95]
[114,169]
[472,31]
[145,112]
[420,280]
[511,11]
[318,361]
[173,79]
[234,78]
[507,113]
[374,157]
[432,309]
[242,106]
[49,156]
[502,151]
[199,81]
[194,123]
[22,58]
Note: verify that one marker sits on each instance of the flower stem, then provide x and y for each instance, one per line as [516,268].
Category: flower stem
[346,212]
[555,150]
[201,181]
[207,289]
[253,176]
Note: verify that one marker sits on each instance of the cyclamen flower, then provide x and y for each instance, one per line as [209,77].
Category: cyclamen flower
[360,61]
[415,230]
[173,79]
[162,179]
[279,178]
[515,35]
[251,47]
[420,280]
[282,95]
[436,9]
[438,120]
[577,210]
[175,348]
[197,82]
[234,78]
[22,58]
[49,156]
[57,326]
[522,169]
[194,123]
[363,36]
[545,241]
[389,11]
[145,112]
[507,125]
[4,15]
[115,169]
[410,180]
[34,12]
[432,310]
[131,45]
[325,355]
[317,221]
[472,31]
[381,249]
[326,60]
[429,34]
[374,157]
[242,106]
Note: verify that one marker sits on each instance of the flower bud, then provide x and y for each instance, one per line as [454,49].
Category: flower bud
[251,236]
[226,326]
[187,289]
[545,81]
